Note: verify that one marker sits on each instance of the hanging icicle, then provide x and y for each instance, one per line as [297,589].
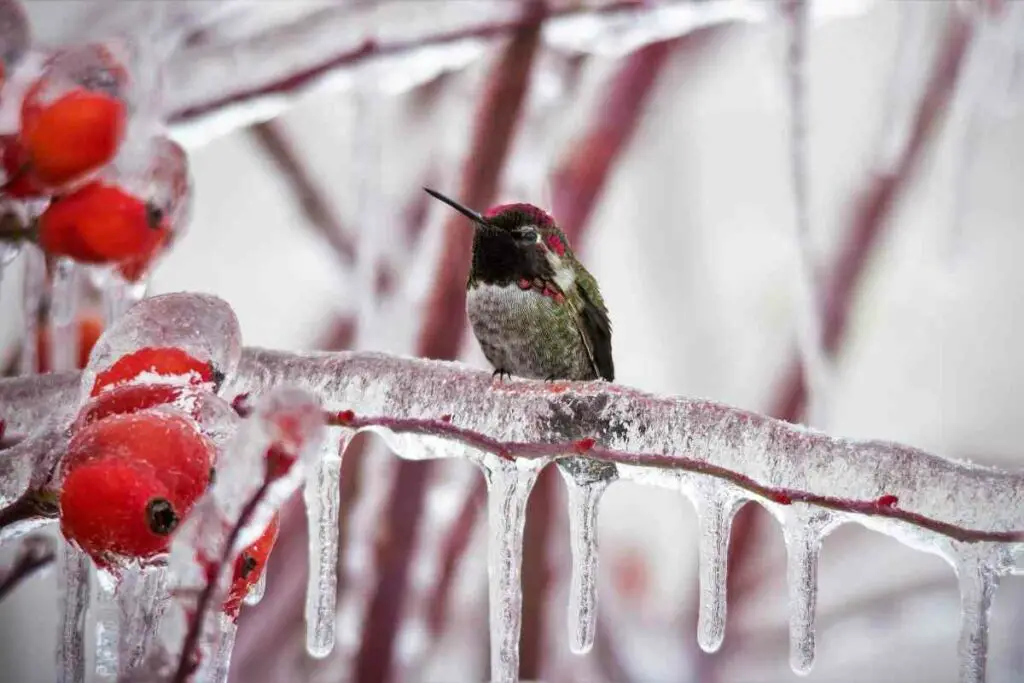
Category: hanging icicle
[323,505]
[509,483]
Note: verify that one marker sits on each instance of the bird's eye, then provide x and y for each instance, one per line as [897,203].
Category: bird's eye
[525,234]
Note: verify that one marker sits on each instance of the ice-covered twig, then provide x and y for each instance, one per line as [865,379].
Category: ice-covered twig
[767,458]
[32,295]
[232,515]
[26,402]
[610,17]
[273,138]
[36,552]
[816,363]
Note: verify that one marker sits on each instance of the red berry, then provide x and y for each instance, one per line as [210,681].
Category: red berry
[159,360]
[101,223]
[89,329]
[117,507]
[181,457]
[127,399]
[888,501]
[75,134]
[249,567]
[446,418]
[781,498]
[346,416]
[135,268]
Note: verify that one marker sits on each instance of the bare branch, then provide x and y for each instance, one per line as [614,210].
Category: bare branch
[35,553]
[274,141]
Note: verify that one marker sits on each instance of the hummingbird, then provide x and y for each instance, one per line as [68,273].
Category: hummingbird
[535,310]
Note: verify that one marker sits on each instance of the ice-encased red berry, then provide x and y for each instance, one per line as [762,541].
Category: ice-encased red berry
[117,507]
[181,457]
[159,360]
[249,566]
[127,399]
[101,223]
[75,134]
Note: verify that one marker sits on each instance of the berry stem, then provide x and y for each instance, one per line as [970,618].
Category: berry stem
[13,229]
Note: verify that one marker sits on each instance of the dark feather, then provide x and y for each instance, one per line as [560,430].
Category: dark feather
[598,330]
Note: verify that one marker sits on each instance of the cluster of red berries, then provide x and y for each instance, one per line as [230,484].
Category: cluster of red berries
[69,133]
[138,462]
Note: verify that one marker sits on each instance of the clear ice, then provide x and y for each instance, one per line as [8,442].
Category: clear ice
[73,585]
[323,504]
[508,487]
[584,494]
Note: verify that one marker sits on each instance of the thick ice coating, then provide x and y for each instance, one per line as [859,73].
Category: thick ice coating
[765,457]
[203,326]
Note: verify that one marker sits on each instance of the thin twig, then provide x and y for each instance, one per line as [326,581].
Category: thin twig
[189,651]
[376,49]
[272,138]
[36,552]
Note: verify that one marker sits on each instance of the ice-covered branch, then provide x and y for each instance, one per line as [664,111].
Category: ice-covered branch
[767,458]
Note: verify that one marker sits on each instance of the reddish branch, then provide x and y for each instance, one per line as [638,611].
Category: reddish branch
[274,141]
[376,49]
[444,324]
[189,659]
[870,217]
[797,444]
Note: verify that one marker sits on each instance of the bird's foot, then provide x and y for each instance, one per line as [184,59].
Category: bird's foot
[501,372]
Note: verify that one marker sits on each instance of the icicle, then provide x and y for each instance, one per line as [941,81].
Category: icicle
[584,494]
[73,586]
[810,332]
[32,298]
[220,663]
[358,564]
[119,296]
[255,594]
[107,616]
[977,569]
[323,504]
[62,312]
[508,486]
[805,527]
[142,599]
[716,505]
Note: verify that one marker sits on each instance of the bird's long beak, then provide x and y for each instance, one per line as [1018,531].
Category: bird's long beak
[469,213]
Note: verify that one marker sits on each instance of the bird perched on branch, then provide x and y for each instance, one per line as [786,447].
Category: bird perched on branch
[535,310]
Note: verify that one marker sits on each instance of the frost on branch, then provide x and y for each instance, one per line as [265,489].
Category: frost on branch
[718,456]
